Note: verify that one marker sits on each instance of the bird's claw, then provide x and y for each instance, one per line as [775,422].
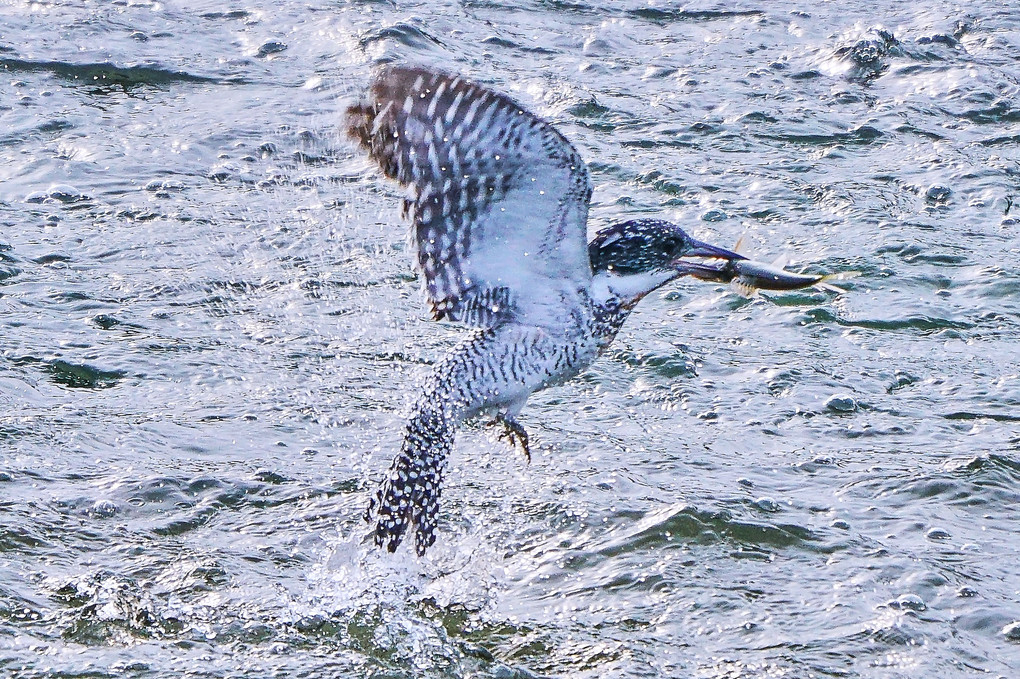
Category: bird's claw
[515,434]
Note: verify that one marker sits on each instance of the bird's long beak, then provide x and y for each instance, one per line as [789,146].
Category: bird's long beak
[703,270]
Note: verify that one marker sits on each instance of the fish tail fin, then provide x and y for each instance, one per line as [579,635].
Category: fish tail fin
[826,281]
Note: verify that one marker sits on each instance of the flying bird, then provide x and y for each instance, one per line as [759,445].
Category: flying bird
[498,202]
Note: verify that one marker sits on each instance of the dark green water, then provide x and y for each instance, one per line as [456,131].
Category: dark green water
[210,331]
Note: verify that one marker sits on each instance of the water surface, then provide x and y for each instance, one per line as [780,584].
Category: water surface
[210,334]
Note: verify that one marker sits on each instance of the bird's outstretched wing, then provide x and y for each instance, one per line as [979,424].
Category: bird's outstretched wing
[498,198]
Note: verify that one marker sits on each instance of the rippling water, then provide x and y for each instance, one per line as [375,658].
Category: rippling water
[209,334]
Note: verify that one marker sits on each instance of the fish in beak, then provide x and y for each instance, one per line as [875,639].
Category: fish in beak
[704,270]
[746,275]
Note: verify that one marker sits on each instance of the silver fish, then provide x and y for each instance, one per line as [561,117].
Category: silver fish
[747,276]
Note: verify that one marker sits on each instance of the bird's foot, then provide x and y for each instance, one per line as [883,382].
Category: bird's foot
[514,433]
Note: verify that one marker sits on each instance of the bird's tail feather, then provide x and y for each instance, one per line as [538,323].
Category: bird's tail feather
[410,492]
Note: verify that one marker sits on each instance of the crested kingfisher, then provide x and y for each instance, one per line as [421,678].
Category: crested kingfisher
[498,203]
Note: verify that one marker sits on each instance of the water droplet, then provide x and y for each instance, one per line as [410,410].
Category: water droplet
[937,194]
[908,602]
[714,216]
[61,193]
[103,509]
[271,47]
[105,321]
[841,403]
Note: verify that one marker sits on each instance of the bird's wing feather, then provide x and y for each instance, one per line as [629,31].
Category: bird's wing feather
[499,198]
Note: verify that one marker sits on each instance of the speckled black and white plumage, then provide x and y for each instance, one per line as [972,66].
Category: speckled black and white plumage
[499,206]
[479,167]
[492,370]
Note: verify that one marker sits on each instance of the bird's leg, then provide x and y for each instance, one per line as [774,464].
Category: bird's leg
[465,383]
[514,433]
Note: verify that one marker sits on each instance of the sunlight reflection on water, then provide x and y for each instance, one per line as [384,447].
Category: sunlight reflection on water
[211,332]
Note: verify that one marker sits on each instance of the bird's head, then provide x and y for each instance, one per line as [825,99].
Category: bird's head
[636,257]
